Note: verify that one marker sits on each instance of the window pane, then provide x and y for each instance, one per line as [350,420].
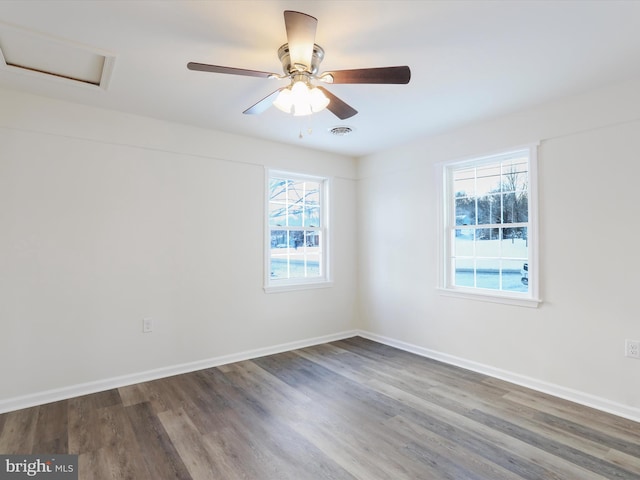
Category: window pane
[294,216]
[514,176]
[312,193]
[463,242]
[279,239]
[487,244]
[522,207]
[312,240]
[515,208]
[464,182]
[514,243]
[488,273]
[464,272]
[279,267]
[515,181]
[297,267]
[489,209]
[311,216]
[513,273]
[296,239]
[509,206]
[278,190]
[295,192]
[488,180]
[465,211]
[313,253]
[277,214]
[313,266]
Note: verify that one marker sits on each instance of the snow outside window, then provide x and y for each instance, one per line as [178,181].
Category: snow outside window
[489,228]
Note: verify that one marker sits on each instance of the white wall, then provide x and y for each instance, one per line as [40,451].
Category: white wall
[572,345]
[107,218]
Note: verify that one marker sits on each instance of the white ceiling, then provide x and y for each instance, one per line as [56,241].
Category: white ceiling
[470,60]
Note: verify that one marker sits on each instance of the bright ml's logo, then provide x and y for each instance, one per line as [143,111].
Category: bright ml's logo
[45,467]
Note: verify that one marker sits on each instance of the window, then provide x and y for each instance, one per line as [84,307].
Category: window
[490,228]
[297,231]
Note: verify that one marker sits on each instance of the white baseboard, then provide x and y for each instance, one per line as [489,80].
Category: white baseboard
[40,398]
[64,393]
[576,396]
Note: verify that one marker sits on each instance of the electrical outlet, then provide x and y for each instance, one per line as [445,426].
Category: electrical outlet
[632,348]
[147,325]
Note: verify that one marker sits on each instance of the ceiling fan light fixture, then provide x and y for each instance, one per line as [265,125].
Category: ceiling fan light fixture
[317,99]
[300,58]
[284,100]
[301,99]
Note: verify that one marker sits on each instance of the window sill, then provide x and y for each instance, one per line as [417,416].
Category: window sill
[290,287]
[484,297]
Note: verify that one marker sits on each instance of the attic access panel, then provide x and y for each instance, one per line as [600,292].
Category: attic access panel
[28,52]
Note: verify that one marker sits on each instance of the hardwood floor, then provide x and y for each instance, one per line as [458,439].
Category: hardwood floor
[351,409]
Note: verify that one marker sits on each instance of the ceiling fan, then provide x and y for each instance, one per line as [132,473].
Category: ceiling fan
[300,59]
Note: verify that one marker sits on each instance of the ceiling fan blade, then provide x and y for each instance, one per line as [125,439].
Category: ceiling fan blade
[301,36]
[263,104]
[372,75]
[336,106]
[204,67]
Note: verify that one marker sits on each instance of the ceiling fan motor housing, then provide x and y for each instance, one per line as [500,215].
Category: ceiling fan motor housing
[289,69]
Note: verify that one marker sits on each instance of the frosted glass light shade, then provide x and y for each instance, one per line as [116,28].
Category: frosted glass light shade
[300,100]
[284,101]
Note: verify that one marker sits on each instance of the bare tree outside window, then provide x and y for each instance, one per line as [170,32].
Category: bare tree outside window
[490,224]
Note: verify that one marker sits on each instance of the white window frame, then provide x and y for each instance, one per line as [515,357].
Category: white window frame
[446,222]
[272,285]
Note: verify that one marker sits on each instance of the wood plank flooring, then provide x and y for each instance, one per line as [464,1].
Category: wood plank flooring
[351,409]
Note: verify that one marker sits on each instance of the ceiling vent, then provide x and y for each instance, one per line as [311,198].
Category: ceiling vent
[23,51]
[340,131]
